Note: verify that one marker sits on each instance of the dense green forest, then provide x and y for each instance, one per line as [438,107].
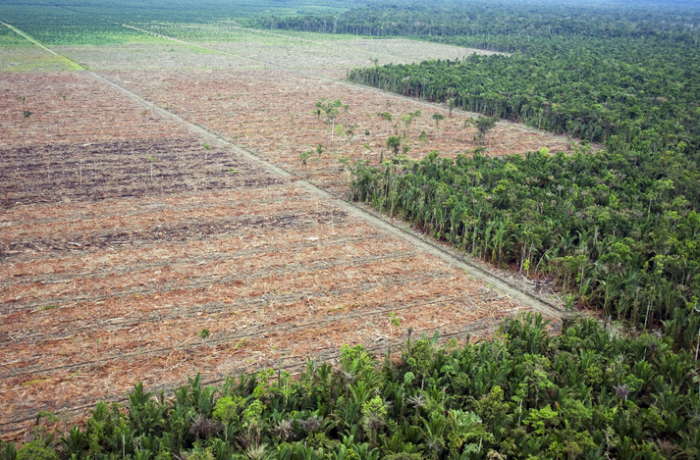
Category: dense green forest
[619,231]
[584,394]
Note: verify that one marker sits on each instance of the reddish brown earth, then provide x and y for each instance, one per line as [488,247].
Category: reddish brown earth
[72,107]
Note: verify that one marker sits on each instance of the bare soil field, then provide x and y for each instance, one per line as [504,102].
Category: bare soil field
[413,50]
[72,107]
[226,45]
[142,56]
[140,168]
[343,55]
[271,112]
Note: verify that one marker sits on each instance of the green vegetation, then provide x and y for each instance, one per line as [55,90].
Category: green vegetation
[619,230]
[587,393]
[9,38]
[93,22]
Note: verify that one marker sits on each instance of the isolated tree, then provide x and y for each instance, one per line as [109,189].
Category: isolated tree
[483,125]
[423,139]
[438,117]
[330,111]
[394,143]
[408,119]
[386,116]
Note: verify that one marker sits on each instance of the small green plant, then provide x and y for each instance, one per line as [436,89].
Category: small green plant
[393,322]
[394,319]
[304,156]
[204,333]
[26,113]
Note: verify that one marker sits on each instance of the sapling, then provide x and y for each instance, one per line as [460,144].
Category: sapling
[438,117]
[304,156]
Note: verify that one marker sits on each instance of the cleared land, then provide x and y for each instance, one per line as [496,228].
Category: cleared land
[72,107]
[125,236]
[271,112]
[141,56]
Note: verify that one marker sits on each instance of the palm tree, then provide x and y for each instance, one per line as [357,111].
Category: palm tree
[330,110]
[438,117]
[483,125]
[393,143]
[408,119]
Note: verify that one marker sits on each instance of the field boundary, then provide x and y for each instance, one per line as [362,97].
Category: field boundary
[291,364]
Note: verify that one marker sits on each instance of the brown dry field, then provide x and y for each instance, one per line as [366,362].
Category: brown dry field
[271,112]
[89,112]
[123,234]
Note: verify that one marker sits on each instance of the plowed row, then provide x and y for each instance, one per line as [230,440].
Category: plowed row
[57,173]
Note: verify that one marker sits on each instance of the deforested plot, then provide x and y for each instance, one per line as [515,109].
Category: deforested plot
[98,294]
[70,107]
[314,53]
[412,50]
[273,113]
